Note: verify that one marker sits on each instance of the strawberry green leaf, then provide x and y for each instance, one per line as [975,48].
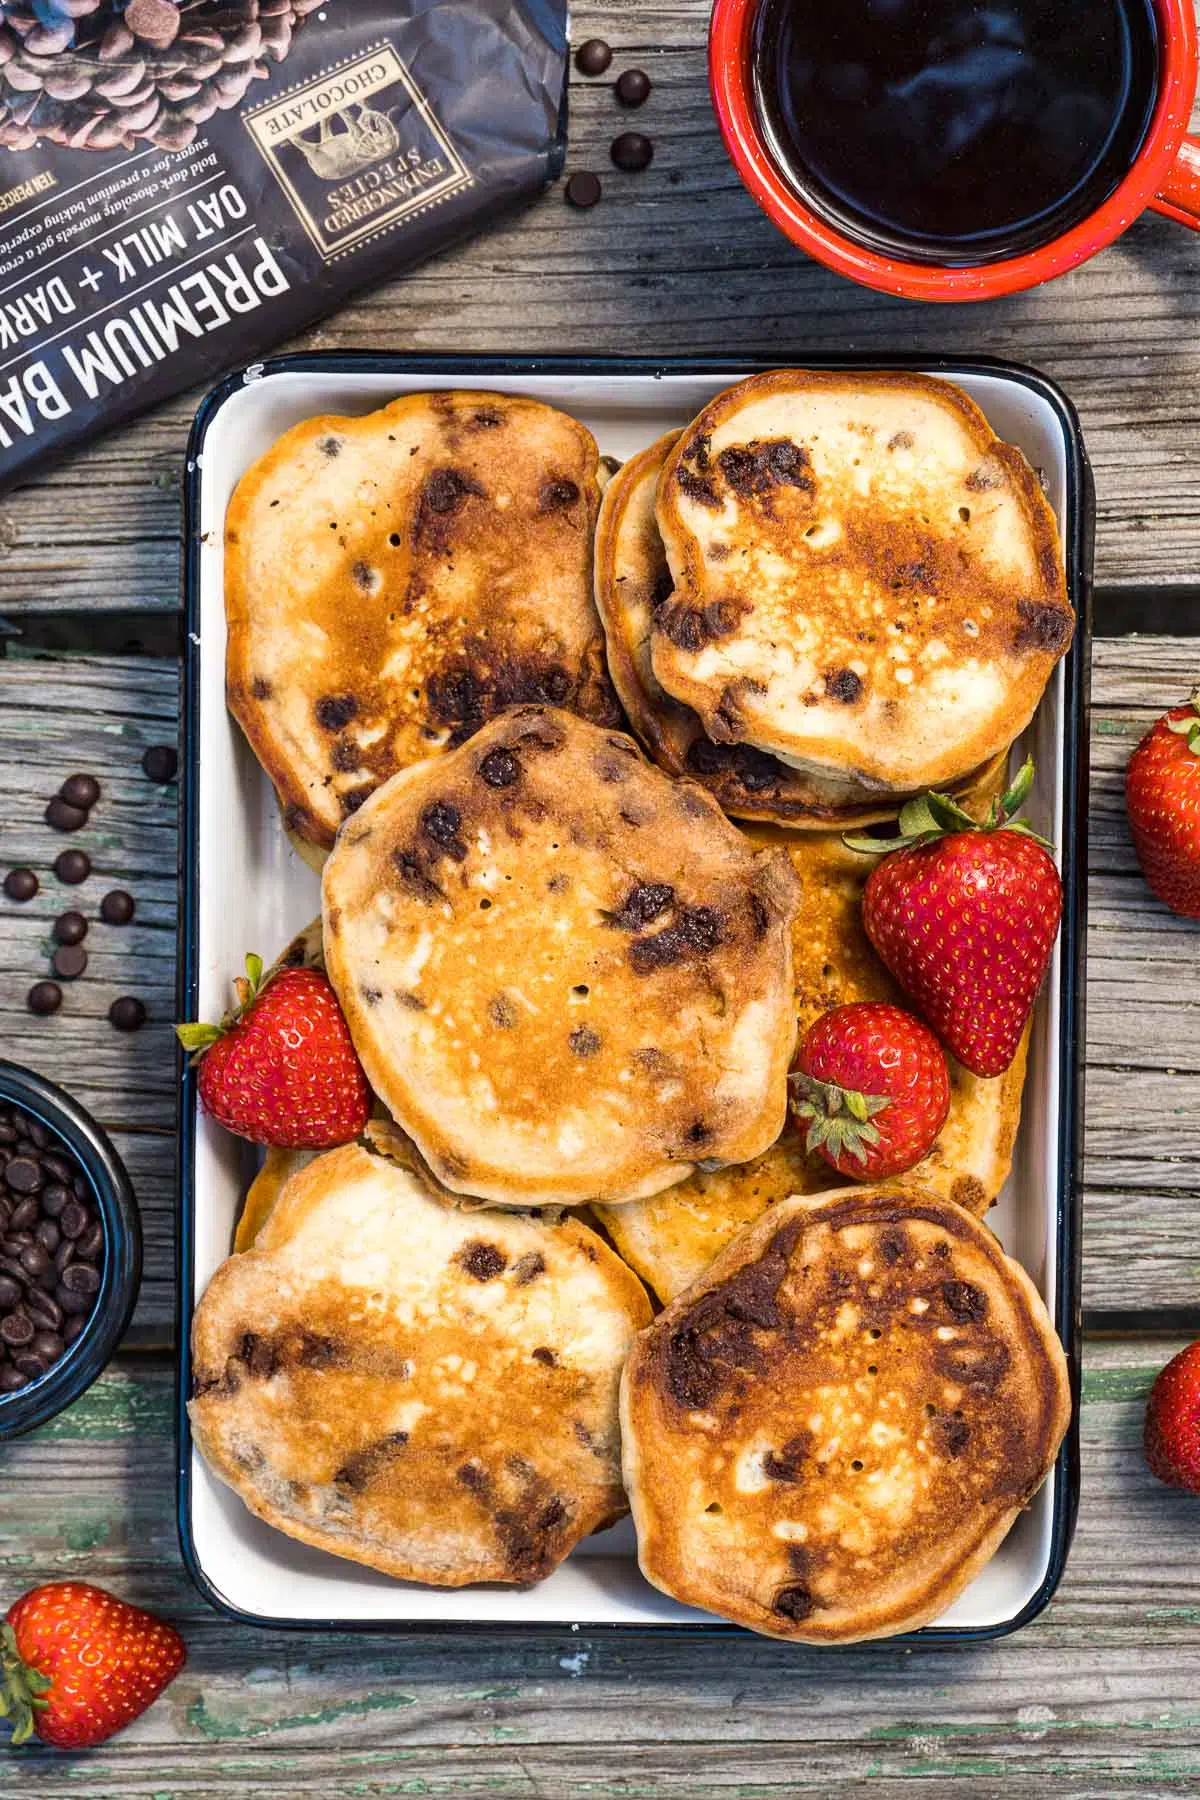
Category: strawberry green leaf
[254,971]
[197,1037]
[935,816]
[839,1119]
[22,1689]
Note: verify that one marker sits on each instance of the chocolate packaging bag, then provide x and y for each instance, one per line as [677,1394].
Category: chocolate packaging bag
[185,183]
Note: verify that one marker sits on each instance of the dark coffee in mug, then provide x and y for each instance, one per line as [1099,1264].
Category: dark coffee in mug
[953,132]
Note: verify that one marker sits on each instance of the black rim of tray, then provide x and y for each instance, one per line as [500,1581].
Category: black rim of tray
[1080,531]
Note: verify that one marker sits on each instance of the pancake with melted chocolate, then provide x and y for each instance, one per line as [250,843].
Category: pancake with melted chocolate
[427,1391]
[830,1434]
[867,582]
[392,582]
[670,1239]
[568,976]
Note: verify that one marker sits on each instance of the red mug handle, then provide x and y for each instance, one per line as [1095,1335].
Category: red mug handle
[1179,196]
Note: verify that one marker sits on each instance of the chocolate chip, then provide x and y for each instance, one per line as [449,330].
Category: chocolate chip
[69,961]
[127,1013]
[23,1216]
[23,1176]
[632,152]
[583,1041]
[82,791]
[335,710]
[88,1248]
[70,928]
[582,190]
[17,1329]
[54,1198]
[80,1278]
[117,908]
[10,1292]
[72,1329]
[62,816]
[34,1260]
[73,1220]
[71,1302]
[72,866]
[593,56]
[44,998]
[20,884]
[11,1380]
[500,768]
[160,763]
[633,87]
[44,1310]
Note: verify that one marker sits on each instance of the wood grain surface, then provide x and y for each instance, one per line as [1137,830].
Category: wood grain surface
[1101,1697]
[679,259]
[1097,1698]
[59,713]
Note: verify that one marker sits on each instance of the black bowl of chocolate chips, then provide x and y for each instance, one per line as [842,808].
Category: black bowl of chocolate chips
[70,1250]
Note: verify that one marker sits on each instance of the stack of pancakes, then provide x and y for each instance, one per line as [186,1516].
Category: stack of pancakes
[575,973]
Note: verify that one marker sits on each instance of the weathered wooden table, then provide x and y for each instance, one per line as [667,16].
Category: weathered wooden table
[1103,1693]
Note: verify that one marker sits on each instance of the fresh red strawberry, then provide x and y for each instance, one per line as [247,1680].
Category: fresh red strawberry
[965,917]
[1172,1438]
[281,1068]
[1162,795]
[77,1664]
[870,1089]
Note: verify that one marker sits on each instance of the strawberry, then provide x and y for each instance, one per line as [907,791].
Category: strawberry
[281,1068]
[1172,1437]
[77,1664]
[965,917]
[1162,795]
[872,1089]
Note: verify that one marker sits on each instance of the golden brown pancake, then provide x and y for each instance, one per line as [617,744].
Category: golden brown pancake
[829,1435]
[567,975]
[671,1238]
[632,582]
[867,582]
[428,1391]
[394,581]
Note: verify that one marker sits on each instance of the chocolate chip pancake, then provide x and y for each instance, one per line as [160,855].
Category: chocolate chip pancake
[867,582]
[830,1434]
[670,1239]
[394,581]
[633,582]
[568,976]
[428,1391]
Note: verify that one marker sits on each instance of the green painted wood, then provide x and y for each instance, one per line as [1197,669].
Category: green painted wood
[1100,1696]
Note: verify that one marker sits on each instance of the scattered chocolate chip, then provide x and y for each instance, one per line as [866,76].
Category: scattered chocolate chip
[583,189]
[44,998]
[62,816]
[80,790]
[117,908]
[633,87]
[127,1013]
[20,884]
[69,961]
[632,151]
[70,928]
[593,57]
[160,763]
[72,866]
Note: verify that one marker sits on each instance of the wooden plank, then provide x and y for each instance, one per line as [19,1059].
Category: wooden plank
[680,258]
[1097,1696]
[60,713]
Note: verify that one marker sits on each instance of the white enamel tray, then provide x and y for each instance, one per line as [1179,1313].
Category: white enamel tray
[245,889]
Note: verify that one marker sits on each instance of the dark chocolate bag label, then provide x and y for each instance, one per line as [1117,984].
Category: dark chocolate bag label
[358,151]
[185,184]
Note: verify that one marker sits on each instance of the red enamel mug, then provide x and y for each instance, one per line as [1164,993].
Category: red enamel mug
[1165,174]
